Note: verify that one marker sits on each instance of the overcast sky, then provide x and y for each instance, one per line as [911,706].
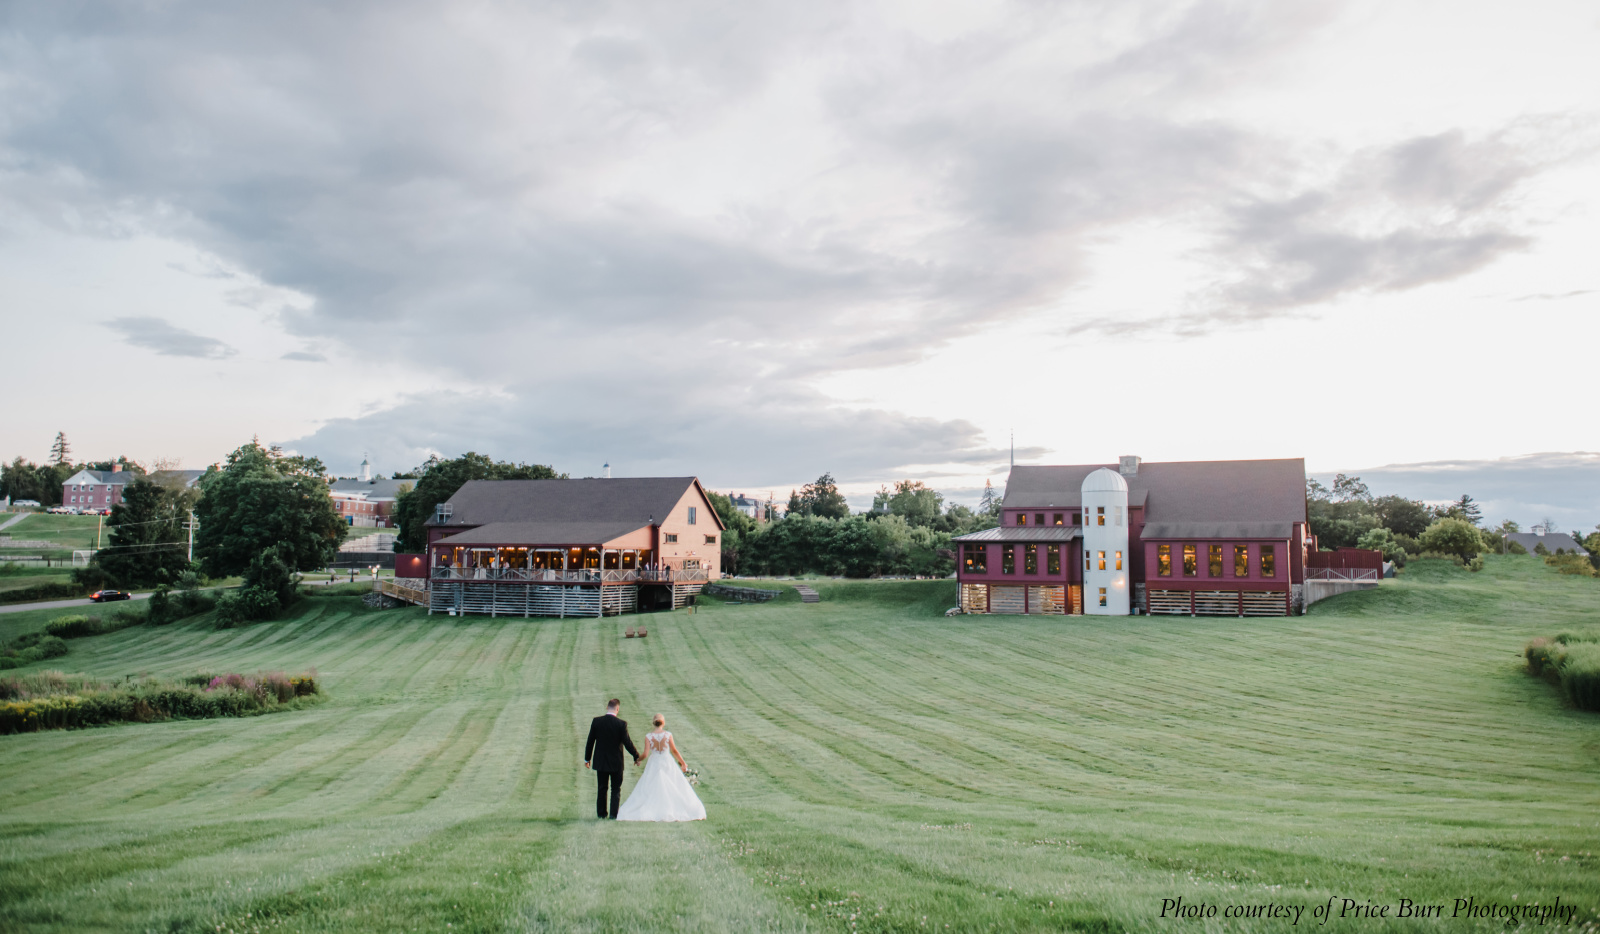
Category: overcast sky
[758,241]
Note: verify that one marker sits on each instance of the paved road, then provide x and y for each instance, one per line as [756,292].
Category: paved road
[14,520]
[52,604]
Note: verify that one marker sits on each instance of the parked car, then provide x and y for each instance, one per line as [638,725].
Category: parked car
[63,510]
[25,503]
[105,596]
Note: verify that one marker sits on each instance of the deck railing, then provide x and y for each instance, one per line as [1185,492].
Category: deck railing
[1343,574]
[576,576]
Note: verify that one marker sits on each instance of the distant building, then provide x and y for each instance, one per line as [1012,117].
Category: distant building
[1189,537]
[367,503]
[102,489]
[748,505]
[586,547]
[1552,541]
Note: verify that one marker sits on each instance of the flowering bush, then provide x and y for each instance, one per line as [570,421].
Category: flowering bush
[51,700]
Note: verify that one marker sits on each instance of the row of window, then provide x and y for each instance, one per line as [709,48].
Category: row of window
[87,499]
[671,538]
[1098,517]
[976,559]
[1214,564]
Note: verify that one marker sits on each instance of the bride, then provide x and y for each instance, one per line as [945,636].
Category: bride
[663,793]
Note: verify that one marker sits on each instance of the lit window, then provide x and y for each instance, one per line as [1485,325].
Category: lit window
[672,538]
[1118,510]
[1022,518]
[1102,596]
[1038,518]
[1086,561]
[1057,519]
[1241,560]
[977,558]
[711,539]
[1190,561]
[1214,560]
[1164,560]
[1269,563]
[1008,559]
[1053,559]
[1119,560]
[693,513]
[1100,515]
[1030,559]
[1102,558]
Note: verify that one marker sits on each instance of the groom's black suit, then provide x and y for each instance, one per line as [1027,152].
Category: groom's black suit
[608,735]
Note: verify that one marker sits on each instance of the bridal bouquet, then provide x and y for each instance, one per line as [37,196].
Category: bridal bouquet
[693,775]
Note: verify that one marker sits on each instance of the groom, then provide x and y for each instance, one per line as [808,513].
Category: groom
[607,736]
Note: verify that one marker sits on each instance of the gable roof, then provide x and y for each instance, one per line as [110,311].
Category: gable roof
[602,502]
[1184,499]
[374,489]
[543,533]
[113,477]
[1551,541]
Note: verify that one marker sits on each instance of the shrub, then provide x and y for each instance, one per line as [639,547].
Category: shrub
[1515,548]
[244,605]
[1455,537]
[72,627]
[1580,675]
[1572,564]
[51,647]
[1544,658]
[42,592]
[1476,564]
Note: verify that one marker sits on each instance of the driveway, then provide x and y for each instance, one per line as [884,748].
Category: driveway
[52,604]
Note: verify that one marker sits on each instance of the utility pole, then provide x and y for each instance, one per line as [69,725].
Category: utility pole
[190,524]
[98,525]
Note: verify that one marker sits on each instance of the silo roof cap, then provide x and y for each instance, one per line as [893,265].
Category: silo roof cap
[1104,481]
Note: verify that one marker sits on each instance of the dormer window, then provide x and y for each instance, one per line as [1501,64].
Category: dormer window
[442,512]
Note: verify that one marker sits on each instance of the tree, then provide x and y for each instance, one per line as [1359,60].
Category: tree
[1465,509]
[147,540]
[439,479]
[61,451]
[1401,516]
[989,505]
[261,499]
[912,501]
[1350,490]
[821,498]
[1339,517]
[1384,540]
[1451,536]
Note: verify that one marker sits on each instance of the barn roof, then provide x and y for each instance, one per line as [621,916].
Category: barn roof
[622,502]
[1022,533]
[543,533]
[1551,541]
[1184,499]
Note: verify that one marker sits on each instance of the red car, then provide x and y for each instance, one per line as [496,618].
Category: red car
[101,596]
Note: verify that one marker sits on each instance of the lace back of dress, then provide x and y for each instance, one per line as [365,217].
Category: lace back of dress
[658,741]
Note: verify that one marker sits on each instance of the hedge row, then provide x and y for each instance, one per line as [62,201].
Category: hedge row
[52,701]
[59,591]
[1571,662]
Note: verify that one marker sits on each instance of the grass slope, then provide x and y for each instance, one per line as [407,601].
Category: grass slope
[63,532]
[868,765]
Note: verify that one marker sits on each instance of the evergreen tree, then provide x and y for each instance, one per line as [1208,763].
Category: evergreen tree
[60,451]
[990,504]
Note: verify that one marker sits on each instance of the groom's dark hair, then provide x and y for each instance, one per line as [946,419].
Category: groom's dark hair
[613,703]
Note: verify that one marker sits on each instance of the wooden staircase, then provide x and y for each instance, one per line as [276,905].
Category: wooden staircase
[807,595]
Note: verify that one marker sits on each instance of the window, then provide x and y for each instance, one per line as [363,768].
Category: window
[1118,510]
[1052,560]
[1100,515]
[711,539]
[1213,560]
[1022,518]
[1269,562]
[1102,596]
[1241,560]
[1077,518]
[1086,561]
[977,558]
[1102,558]
[1189,561]
[1119,560]
[1056,519]
[691,564]
[1030,559]
[1008,559]
[1164,560]
[1038,518]
[672,538]
[693,514]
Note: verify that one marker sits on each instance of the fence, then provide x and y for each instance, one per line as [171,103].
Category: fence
[578,576]
[1344,574]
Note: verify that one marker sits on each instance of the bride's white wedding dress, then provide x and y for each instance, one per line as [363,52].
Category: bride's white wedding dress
[662,793]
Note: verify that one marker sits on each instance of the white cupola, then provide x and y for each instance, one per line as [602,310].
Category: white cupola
[1107,561]
[366,468]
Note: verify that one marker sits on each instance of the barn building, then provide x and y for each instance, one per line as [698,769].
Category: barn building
[1186,537]
[592,547]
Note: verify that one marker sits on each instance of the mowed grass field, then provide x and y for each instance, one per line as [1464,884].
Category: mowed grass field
[867,763]
[60,532]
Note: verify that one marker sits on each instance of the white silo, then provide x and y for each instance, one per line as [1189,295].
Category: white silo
[1105,544]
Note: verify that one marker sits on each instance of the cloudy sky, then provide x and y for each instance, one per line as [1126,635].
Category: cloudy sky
[758,241]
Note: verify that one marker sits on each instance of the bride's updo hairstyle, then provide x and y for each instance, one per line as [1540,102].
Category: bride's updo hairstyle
[660,721]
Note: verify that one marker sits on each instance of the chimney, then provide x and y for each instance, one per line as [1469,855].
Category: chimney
[1128,465]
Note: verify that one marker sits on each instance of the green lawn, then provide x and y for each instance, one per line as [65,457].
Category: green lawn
[65,532]
[863,760]
[28,575]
